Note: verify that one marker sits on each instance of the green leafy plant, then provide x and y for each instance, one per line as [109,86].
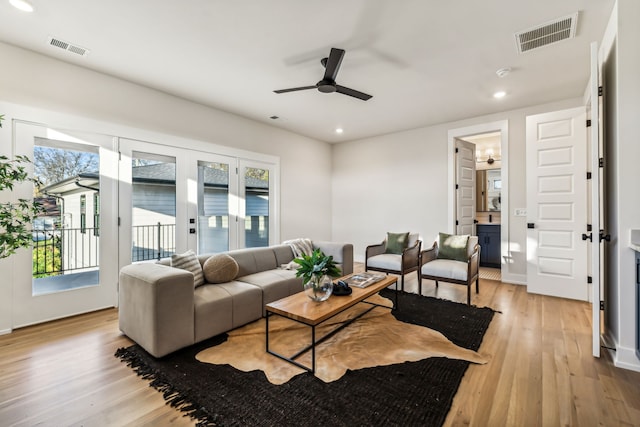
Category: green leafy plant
[317,264]
[15,217]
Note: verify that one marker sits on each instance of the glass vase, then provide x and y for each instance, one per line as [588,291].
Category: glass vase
[319,288]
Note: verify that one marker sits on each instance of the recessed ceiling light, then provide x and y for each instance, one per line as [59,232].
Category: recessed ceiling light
[23,5]
[499,94]
[339,130]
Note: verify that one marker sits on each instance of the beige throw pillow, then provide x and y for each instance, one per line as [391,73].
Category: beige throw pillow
[220,268]
[188,261]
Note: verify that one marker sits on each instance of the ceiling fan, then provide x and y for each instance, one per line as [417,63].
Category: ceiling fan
[328,82]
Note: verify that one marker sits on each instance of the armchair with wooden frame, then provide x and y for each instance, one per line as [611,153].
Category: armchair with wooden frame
[379,258]
[461,271]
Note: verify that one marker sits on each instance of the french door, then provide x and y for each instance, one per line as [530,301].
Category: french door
[69,270]
[173,199]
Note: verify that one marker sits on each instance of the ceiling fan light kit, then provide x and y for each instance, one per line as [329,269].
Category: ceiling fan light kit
[328,82]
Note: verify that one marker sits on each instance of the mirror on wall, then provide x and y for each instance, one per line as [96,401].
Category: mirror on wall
[488,190]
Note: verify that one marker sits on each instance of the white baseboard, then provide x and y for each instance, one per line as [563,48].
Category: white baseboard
[625,358]
[5,331]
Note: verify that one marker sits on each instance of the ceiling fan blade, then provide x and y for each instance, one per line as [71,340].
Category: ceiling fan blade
[293,89]
[333,64]
[352,92]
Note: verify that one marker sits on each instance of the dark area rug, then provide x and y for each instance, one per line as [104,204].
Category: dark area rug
[406,394]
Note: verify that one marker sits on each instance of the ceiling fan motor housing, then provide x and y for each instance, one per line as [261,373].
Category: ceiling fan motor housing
[326,86]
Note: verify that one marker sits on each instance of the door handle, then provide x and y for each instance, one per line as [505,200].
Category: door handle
[603,236]
[587,236]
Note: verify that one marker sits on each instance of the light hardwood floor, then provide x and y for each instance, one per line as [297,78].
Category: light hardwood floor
[541,373]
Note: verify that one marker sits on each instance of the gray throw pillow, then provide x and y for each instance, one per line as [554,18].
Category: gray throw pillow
[397,243]
[188,261]
[453,247]
[220,268]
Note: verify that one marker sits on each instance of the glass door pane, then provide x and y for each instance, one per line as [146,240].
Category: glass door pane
[256,206]
[213,207]
[153,201]
[66,237]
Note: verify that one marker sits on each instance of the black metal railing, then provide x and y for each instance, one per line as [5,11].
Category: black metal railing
[65,249]
[153,241]
[70,249]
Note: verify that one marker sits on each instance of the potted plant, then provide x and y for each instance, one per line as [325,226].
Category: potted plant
[15,217]
[317,271]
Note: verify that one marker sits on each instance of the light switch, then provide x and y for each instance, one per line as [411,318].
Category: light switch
[520,212]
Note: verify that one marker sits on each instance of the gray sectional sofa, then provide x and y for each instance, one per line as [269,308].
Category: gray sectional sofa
[161,310]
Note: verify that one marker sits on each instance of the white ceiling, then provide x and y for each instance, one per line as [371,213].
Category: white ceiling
[424,61]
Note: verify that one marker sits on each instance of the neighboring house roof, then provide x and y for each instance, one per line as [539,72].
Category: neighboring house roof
[161,173]
[74,184]
[166,172]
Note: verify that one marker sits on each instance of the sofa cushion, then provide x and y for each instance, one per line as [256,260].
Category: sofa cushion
[188,261]
[254,260]
[247,302]
[213,311]
[453,246]
[220,268]
[272,283]
[397,242]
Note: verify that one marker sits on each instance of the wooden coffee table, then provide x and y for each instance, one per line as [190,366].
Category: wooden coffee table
[300,308]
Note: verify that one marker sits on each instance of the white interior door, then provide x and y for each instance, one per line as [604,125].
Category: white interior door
[594,146]
[70,269]
[557,204]
[465,187]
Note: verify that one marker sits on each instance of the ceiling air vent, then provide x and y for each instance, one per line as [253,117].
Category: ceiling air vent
[68,46]
[546,34]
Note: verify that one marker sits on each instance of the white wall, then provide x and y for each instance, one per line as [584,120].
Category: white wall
[37,88]
[398,182]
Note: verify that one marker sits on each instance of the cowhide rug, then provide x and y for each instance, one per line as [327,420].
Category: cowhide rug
[375,339]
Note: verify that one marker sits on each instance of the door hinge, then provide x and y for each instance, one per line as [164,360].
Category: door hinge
[457,186]
[119,155]
[588,175]
[588,122]
[589,279]
[600,90]
[601,305]
[118,221]
[601,162]
[456,149]
[589,227]
[457,223]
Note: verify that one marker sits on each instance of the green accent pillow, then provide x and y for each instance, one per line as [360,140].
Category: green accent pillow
[453,247]
[397,243]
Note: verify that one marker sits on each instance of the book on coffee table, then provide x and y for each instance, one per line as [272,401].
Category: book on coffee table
[362,280]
